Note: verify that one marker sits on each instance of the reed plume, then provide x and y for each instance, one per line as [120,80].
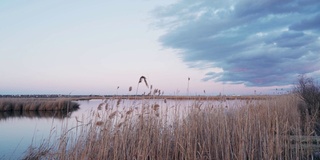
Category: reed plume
[140,80]
[113,114]
[188,86]
[144,79]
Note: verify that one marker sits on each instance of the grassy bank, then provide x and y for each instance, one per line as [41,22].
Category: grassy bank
[257,129]
[36,104]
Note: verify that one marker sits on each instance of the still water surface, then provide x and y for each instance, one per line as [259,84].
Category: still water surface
[18,132]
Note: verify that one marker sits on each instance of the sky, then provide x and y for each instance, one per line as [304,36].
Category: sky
[232,47]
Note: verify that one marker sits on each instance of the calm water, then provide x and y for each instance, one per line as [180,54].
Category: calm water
[18,132]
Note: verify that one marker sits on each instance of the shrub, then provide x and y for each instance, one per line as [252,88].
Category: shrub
[309,92]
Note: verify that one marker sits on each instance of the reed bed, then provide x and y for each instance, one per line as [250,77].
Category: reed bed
[255,129]
[36,104]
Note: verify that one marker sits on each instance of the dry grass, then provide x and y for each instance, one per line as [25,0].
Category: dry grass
[255,129]
[36,104]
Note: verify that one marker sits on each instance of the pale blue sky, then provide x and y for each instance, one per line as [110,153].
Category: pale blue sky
[92,47]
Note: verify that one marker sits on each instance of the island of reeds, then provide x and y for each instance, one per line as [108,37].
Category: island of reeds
[36,104]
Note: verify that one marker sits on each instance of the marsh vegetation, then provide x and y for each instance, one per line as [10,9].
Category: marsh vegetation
[37,104]
[158,126]
[268,128]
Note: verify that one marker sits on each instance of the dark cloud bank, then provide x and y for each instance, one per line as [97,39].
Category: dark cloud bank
[257,43]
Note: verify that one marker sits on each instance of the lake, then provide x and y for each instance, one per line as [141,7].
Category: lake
[20,131]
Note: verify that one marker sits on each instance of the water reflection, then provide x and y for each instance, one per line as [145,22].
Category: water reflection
[36,114]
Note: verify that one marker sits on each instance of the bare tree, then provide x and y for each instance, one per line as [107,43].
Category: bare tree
[309,92]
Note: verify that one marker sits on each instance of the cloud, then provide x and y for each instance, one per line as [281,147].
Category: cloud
[257,43]
[307,24]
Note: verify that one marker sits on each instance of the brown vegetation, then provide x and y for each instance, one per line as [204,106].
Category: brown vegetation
[36,104]
[257,129]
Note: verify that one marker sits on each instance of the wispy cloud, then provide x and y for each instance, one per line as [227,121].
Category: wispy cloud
[257,43]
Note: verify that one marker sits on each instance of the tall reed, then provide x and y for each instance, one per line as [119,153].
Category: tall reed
[258,129]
